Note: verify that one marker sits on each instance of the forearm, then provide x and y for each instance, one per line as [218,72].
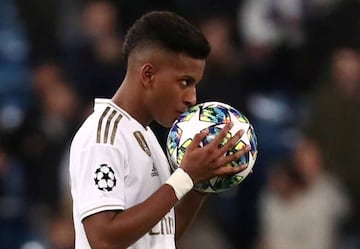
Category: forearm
[121,229]
[186,211]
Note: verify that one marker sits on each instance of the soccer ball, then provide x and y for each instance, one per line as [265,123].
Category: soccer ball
[104,178]
[213,116]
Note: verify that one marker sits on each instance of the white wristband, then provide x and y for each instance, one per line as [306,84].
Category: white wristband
[181,182]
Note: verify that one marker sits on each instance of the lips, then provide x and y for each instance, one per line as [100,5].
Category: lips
[182,110]
[178,114]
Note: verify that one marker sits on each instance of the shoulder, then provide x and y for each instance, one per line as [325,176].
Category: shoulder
[107,123]
[104,125]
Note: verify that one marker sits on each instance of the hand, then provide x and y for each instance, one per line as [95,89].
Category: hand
[203,163]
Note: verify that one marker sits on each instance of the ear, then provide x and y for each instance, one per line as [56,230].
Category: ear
[147,75]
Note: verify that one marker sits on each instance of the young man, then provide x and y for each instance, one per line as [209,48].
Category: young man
[123,193]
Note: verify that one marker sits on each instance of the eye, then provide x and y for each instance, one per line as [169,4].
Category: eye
[187,82]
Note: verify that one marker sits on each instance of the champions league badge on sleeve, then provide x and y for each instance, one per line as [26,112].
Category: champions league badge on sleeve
[104,178]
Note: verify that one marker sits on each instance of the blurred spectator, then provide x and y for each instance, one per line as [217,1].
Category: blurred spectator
[222,79]
[40,21]
[335,109]
[303,206]
[14,68]
[92,59]
[202,9]
[131,10]
[328,30]
[277,36]
[205,233]
[13,206]
[42,140]
[68,21]
[266,25]
[61,234]
[326,188]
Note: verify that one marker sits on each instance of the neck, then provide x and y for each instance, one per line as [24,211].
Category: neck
[129,98]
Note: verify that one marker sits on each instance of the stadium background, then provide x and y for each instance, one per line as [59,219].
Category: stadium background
[292,66]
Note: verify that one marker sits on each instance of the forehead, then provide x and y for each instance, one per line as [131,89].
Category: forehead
[166,61]
[183,65]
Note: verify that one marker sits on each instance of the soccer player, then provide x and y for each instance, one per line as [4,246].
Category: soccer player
[124,195]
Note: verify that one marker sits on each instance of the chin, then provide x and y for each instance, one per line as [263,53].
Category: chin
[167,120]
[167,123]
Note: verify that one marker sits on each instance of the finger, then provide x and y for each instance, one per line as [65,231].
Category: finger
[198,138]
[239,168]
[228,170]
[225,160]
[222,134]
[231,142]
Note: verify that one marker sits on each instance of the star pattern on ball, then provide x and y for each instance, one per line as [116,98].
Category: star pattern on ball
[192,124]
[104,178]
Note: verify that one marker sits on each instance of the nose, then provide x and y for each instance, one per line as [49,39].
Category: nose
[190,97]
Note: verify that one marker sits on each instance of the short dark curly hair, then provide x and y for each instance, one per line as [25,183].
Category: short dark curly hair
[167,30]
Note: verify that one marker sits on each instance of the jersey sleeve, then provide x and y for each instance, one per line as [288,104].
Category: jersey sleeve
[100,180]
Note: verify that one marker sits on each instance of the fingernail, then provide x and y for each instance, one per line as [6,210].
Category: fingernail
[204,130]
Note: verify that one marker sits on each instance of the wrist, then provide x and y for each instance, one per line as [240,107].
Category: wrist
[181,182]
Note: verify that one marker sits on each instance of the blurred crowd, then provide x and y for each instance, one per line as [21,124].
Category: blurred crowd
[291,66]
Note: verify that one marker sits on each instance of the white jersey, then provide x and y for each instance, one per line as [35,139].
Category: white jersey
[116,163]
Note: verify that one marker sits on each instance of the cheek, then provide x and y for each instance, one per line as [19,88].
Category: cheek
[167,101]
[170,94]
[165,107]
[159,101]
